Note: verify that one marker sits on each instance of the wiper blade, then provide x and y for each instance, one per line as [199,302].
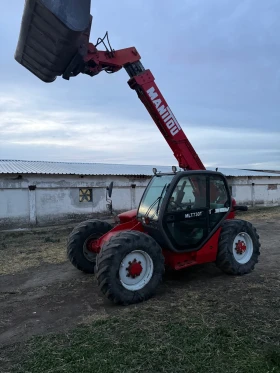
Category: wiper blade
[153,204]
[160,197]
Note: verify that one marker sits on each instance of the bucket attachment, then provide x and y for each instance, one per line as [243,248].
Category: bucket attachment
[53,37]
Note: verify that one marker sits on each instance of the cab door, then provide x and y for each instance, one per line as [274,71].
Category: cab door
[196,205]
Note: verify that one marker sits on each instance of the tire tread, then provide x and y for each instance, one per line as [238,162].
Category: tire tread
[225,259]
[77,238]
[110,257]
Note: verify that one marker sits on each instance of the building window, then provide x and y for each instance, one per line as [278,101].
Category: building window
[85,195]
[272,186]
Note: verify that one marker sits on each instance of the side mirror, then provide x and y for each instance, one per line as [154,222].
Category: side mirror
[110,189]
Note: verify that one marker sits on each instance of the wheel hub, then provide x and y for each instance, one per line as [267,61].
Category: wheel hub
[92,245]
[240,247]
[91,248]
[134,269]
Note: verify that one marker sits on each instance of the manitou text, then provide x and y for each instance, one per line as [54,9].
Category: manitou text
[165,112]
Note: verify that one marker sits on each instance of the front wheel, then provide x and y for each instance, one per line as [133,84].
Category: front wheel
[238,248]
[129,267]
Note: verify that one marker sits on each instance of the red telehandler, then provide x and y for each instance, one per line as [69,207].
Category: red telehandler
[184,218]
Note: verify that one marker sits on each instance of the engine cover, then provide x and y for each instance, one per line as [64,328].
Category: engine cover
[127,216]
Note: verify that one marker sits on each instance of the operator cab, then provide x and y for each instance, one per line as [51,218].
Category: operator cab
[182,210]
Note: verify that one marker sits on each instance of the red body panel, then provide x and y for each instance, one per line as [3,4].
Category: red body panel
[231,215]
[206,254]
[130,225]
[127,216]
[176,261]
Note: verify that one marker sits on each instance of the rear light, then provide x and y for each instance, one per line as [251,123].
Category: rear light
[233,203]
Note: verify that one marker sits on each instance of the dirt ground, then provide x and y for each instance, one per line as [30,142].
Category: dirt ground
[41,292]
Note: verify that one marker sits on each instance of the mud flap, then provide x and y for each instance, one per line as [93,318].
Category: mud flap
[52,34]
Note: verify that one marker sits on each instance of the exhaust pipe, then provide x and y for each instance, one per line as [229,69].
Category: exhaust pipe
[53,37]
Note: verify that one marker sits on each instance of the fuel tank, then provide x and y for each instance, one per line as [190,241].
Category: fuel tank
[52,33]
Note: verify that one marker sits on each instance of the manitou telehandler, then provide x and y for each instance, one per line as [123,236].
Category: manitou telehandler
[185,217]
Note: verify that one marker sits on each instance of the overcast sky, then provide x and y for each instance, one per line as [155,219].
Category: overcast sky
[217,63]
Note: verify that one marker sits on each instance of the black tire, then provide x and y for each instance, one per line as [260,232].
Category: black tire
[109,261]
[77,226]
[225,257]
[76,251]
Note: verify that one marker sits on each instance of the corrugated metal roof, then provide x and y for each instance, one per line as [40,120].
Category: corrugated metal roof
[240,172]
[71,168]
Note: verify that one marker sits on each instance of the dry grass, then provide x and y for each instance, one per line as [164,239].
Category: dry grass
[26,249]
[260,213]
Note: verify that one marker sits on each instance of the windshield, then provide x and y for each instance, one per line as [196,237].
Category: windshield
[153,196]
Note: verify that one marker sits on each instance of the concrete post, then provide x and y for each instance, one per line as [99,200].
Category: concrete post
[253,194]
[32,204]
[133,196]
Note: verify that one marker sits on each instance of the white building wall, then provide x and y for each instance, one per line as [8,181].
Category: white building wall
[57,196]
[256,191]
[267,196]
[43,198]
[242,193]
[14,203]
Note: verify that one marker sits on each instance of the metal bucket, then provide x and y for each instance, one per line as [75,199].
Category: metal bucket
[52,33]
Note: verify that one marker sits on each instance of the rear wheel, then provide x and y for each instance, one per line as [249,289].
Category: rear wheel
[81,242]
[238,248]
[129,267]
